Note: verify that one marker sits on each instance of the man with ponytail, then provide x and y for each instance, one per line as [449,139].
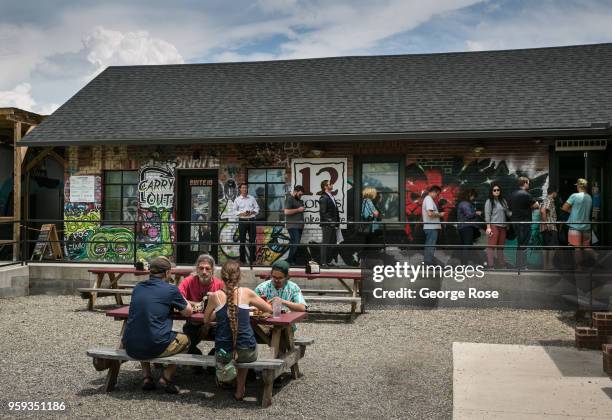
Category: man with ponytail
[234,335]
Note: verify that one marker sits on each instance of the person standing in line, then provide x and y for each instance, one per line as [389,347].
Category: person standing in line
[246,209]
[497,214]
[466,212]
[294,217]
[369,213]
[521,205]
[579,206]
[330,220]
[431,223]
[549,230]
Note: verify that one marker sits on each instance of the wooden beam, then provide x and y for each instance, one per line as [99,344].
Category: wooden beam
[16,189]
[39,157]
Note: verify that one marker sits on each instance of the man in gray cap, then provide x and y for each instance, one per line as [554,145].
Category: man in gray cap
[148,333]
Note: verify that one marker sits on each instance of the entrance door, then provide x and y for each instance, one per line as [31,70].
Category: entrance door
[591,166]
[198,202]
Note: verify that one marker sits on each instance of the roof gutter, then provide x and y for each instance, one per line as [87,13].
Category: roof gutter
[598,129]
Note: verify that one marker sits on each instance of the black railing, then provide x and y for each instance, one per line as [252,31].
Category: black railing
[128,246]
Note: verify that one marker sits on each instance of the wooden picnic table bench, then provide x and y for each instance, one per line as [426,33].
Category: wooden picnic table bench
[285,348]
[114,274]
[354,297]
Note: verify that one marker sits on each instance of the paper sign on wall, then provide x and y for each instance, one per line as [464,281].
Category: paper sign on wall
[82,189]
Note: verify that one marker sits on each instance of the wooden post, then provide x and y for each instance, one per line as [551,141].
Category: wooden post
[17,159]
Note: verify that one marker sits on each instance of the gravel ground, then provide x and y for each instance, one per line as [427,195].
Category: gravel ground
[387,363]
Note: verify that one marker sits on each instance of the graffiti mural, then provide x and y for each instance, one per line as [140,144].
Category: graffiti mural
[156,232]
[228,232]
[478,174]
[84,220]
[275,244]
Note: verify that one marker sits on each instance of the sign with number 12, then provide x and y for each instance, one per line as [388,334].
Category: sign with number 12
[309,172]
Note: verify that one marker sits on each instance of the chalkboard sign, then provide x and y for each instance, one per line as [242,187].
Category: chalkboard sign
[44,248]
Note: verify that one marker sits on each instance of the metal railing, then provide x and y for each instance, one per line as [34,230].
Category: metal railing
[127,242]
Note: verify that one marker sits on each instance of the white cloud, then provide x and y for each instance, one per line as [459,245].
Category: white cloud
[545,24]
[106,47]
[21,97]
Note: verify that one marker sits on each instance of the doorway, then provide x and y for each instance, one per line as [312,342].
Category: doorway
[198,204]
[590,165]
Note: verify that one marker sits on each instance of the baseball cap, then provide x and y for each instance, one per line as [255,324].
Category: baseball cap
[160,265]
[581,182]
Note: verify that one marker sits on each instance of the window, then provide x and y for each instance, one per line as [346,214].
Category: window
[384,176]
[268,188]
[120,196]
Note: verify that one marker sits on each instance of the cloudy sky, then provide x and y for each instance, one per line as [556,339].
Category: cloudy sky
[50,49]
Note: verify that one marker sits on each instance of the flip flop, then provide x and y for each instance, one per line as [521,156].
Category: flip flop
[148,384]
[168,386]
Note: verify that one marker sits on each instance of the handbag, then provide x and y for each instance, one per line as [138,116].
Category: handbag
[225,367]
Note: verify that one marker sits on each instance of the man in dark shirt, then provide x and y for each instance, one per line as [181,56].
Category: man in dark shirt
[330,221]
[294,216]
[521,205]
[148,333]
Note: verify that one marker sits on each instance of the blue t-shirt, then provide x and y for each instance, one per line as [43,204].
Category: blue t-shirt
[581,211]
[149,326]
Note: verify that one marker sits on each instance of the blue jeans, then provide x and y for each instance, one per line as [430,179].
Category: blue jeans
[295,236]
[431,237]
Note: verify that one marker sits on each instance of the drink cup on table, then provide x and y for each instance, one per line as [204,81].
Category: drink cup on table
[276,308]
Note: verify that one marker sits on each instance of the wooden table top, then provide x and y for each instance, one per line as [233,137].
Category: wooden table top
[285,319]
[325,275]
[123,270]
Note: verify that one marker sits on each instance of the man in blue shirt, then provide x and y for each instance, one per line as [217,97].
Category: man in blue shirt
[148,333]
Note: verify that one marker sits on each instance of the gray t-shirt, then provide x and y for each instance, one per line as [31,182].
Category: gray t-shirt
[293,203]
[429,204]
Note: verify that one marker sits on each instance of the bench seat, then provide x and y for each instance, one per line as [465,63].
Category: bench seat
[324,291]
[333,299]
[92,293]
[111,359]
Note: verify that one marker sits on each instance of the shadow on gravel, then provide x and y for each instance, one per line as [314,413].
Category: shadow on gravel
[328,317]
[557,343]
[195,389]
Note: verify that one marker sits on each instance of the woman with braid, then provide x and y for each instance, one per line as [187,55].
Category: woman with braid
[230,308]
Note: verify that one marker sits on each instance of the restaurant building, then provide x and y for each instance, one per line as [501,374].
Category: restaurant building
[154,154]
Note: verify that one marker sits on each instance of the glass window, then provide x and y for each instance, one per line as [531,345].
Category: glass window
[384,176]
[120,196]
[268,188]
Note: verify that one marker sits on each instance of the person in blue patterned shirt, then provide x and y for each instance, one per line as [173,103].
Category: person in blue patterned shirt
[280,287]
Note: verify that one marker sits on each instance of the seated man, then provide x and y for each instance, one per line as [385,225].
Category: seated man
[148,333]
[194,288]
[281,288]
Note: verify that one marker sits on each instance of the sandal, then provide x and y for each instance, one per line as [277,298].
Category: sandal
[148,384]
[168,386]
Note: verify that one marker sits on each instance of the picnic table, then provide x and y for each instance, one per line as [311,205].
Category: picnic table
[353,290]
[286,350]
[115,289]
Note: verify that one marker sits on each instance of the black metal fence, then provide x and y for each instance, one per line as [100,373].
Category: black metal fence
[117,242]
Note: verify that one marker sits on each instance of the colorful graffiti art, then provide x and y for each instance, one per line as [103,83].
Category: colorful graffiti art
[275,240]
[84,219]
[478,174]
[156,232]
[109,243]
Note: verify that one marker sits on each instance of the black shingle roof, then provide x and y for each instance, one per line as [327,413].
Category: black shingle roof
[413,95]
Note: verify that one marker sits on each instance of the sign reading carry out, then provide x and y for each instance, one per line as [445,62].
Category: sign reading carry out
[156,186]
[309,172]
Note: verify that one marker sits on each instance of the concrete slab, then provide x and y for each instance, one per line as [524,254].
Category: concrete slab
[513,381]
